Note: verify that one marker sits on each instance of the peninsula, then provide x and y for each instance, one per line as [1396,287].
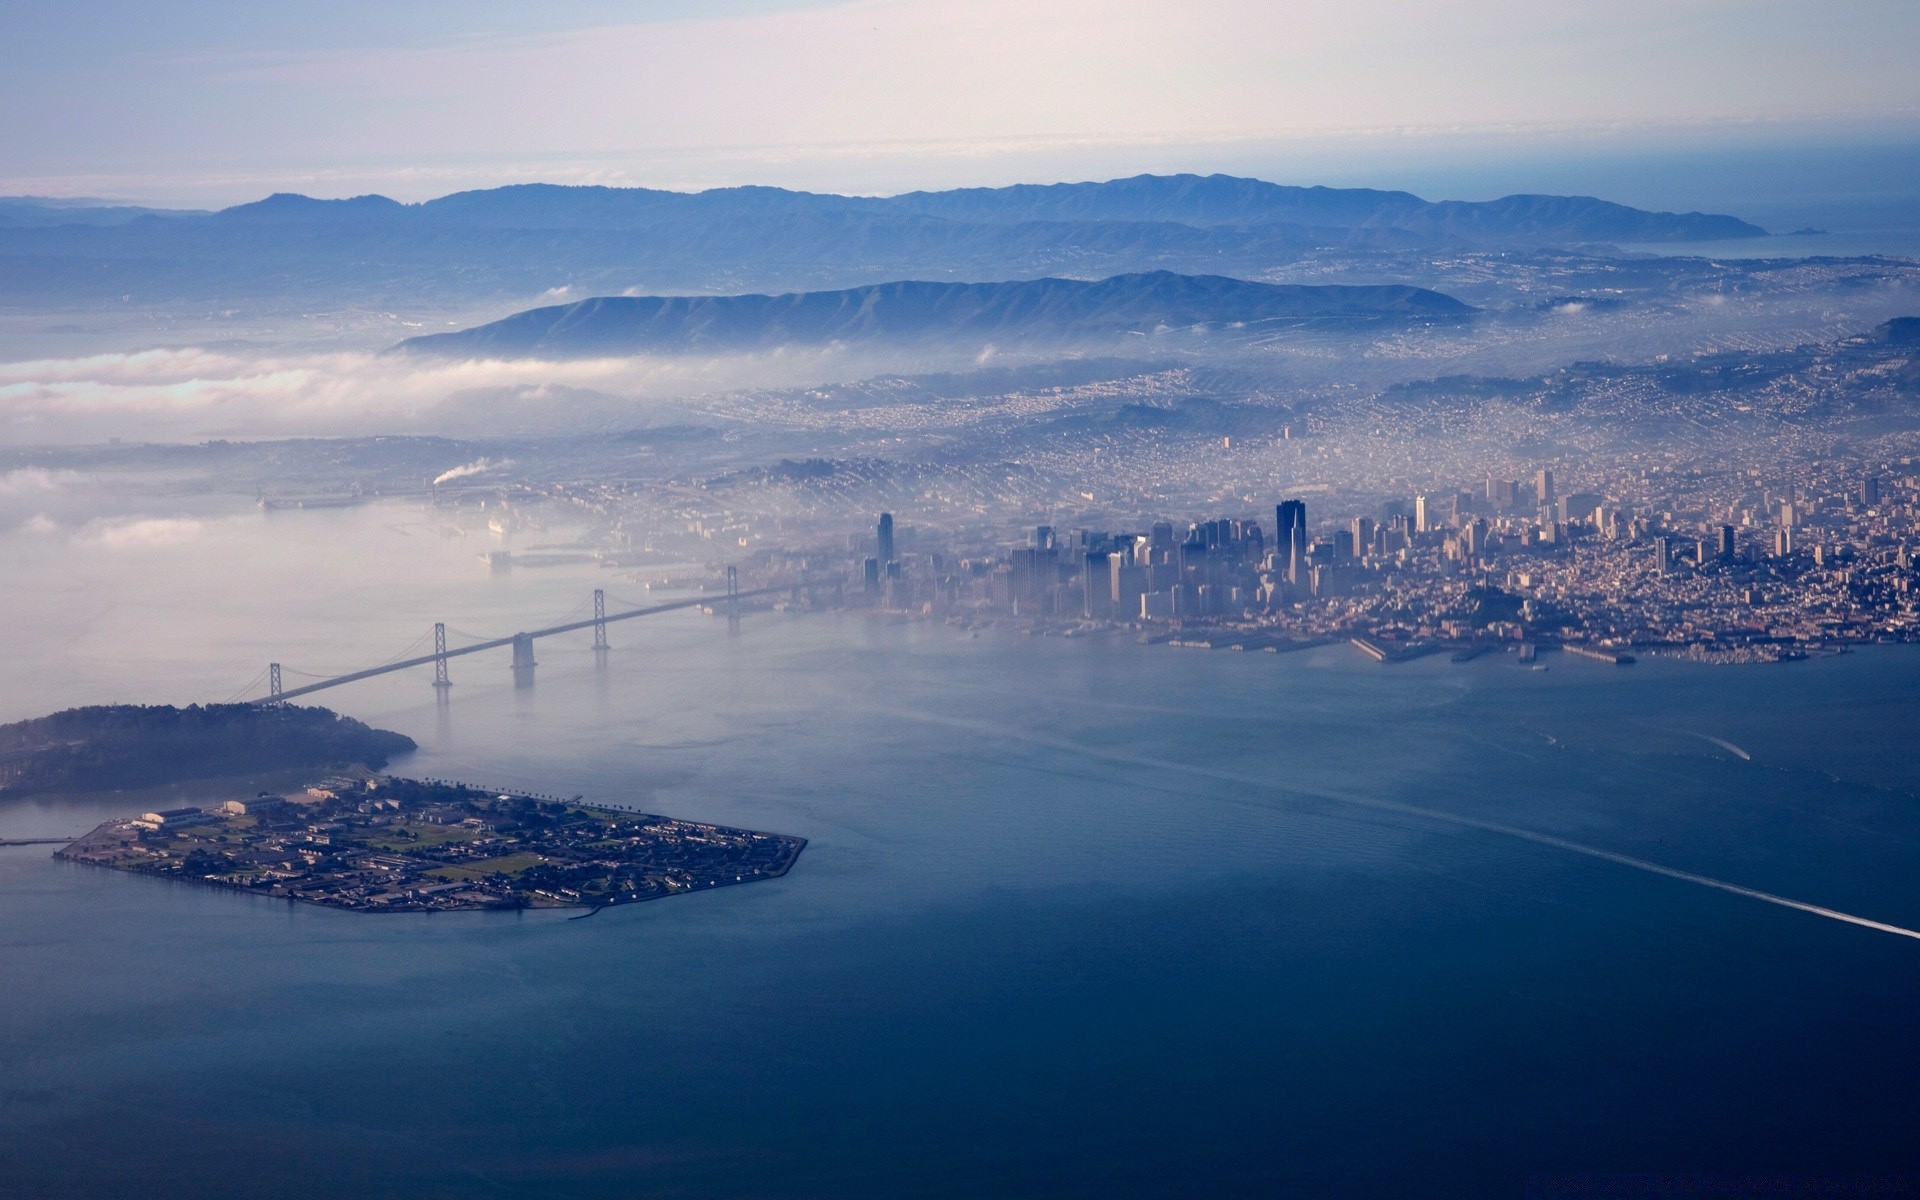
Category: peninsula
[385,844]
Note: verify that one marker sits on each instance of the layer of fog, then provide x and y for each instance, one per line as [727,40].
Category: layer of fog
[197,393]
[194,393]
[109,512]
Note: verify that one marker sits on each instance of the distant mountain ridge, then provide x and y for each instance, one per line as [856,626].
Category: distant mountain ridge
[43,212]
[1201,201]
[528,238]
[906,311]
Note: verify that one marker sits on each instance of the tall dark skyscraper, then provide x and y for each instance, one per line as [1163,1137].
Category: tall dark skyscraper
[1097,600]
[1290,536]
[1287,516]
[883,541]
[1160,540]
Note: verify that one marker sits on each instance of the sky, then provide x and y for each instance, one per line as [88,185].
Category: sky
[220,101]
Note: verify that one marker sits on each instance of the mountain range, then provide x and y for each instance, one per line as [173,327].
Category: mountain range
[525,239]
[1027,311]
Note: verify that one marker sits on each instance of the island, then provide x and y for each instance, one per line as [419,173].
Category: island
[111,747]
[379,843]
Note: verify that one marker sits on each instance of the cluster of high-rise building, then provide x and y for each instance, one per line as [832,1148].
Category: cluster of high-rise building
[1215,568]
[1224,567]
[1506,560]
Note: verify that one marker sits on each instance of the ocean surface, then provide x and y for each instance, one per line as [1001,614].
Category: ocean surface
[1837,195]
[1076,918]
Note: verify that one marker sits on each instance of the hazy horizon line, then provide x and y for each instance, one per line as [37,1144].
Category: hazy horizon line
[1355,158]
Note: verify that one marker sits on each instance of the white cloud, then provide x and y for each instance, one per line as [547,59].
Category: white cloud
[141,533]
[195,393]
[216,393]
[36,480]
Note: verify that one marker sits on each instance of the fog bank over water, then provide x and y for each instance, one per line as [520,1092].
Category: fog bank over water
[193,393]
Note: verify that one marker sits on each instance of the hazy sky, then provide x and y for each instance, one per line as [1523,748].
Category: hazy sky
[221,100]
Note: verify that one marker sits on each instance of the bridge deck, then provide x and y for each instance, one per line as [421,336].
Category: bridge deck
[407,664]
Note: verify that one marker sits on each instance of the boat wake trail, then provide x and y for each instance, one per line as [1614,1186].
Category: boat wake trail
[1125,758]
[1726,745]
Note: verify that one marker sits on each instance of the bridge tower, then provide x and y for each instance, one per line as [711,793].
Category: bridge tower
[273,683]
[600,644]
[523,663]
[733,600]
[440,680]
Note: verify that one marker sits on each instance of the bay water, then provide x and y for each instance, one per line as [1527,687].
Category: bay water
[1076,917]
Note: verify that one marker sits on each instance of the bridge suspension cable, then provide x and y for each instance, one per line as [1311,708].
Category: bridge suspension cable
[520,642]
[406,651]
[259,678]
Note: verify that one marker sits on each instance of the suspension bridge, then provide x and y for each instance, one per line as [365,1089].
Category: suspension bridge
[521,643]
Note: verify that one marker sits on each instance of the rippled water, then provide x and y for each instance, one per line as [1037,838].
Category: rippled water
[1076,917]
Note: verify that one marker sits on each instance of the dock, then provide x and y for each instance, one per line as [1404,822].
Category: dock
[1599,654]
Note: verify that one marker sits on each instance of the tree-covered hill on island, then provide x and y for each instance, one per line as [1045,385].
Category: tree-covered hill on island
[104,747]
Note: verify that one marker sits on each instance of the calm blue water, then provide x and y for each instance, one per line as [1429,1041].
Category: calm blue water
[1077,918]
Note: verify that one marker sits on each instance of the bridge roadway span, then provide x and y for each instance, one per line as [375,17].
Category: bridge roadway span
[424,660]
